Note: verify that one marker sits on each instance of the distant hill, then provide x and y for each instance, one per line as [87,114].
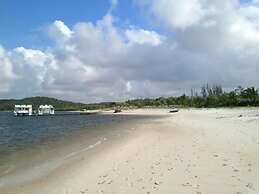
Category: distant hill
[8,104]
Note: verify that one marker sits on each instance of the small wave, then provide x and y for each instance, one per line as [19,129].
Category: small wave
[24,175]
[84,149]
[27,175]
[9,169]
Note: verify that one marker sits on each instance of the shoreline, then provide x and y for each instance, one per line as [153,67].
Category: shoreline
[76,149]
[193,151]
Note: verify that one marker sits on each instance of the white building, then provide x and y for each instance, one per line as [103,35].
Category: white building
[46,110]
[23,110]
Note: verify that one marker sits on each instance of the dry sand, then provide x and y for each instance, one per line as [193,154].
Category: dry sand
[199,151]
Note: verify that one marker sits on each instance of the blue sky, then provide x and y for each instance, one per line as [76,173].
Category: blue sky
[21,21]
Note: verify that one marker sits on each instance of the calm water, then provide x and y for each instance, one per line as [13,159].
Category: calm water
[25,140]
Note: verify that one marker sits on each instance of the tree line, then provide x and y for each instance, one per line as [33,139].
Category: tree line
[208,96]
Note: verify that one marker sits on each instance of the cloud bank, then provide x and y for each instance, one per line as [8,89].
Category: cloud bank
[203,41]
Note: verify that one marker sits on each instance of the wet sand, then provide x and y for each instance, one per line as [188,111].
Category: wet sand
[197,151]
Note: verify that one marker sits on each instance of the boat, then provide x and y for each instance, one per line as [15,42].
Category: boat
[23,110]
[174,110]
[46,110]
[117,110]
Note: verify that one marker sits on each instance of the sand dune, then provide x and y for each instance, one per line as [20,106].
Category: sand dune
[199,151]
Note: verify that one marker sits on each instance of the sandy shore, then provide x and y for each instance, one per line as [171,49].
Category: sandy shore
[199,151]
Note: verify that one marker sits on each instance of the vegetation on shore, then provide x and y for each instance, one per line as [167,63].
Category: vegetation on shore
[209,96]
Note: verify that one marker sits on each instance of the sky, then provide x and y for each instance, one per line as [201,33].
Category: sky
[93,51]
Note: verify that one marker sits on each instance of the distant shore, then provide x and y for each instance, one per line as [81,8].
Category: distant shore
[193,151]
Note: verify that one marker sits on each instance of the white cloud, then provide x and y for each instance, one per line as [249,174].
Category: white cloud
[185,13]
[255,2]
[59,31]
[114,4]
[212,41]
[6,71]
[29,56]
[89,61]
[140,36]
[30,68]
[179,14]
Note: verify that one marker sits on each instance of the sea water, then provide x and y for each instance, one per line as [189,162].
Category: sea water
[34,142]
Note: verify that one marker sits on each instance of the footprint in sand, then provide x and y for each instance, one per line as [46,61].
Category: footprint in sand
[187,184]
[84,191]
[156,183]
[101,182]
[157,163]
[249,167]
[250,186]
[140,180]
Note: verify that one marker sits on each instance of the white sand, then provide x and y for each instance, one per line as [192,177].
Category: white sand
[199,151]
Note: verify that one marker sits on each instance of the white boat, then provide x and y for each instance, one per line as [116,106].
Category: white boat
[174,110]
[23,110]
[46,110]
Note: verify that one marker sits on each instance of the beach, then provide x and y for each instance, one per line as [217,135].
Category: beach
[194,151]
